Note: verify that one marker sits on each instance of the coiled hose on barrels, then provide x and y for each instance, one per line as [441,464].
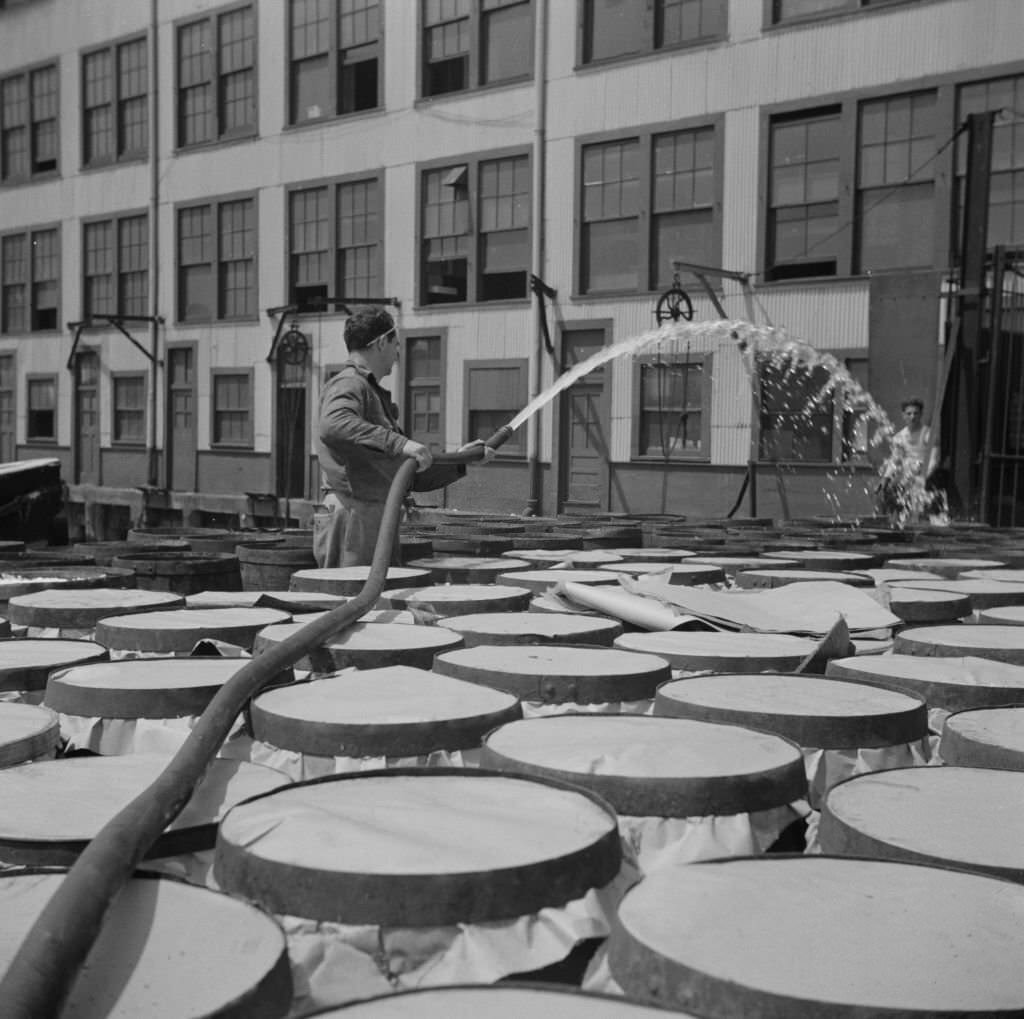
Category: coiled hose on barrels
[43,971]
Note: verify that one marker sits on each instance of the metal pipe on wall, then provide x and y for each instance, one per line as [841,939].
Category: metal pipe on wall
[152,455]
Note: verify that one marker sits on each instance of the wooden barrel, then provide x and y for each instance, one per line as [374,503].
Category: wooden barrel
[11,549]
[230,542]
[731,565]
[894,575]
[25,665]
[1009,576]
[350,580]
[142,688]
[984,738]
[14,584]
[828,560]
[452,569]
[556,674]
[183,572]
[686,574]
[142,535]
[391,712]
[654,767]
[533,628]
[949,569]
[540,581]
[59,609]
[532,541]
[458,599]
[368,646]
[564,556]
[56,807]
[948,817]
[700,651]
[952,684]
[177,631]
[103,553]
[167,949]
[1000,643]
[924,606]
[414,547]
[286,601]
[28,732]
[812,711]
[819,936]
[780,578]
[653,554]
[470,544]
[983,594]
[270,567]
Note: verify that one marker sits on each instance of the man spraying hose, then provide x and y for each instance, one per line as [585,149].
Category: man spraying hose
[361,445]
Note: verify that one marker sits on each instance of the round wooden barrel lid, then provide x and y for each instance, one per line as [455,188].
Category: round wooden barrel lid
[1010,615]
[812,711]
[947,568]
[286,601]
[688,573]
[142,687]
[368,646]
[1000,643]
[984,594]
[167,950]
[780,578]
[984,738]
[655,767]
[417,847]
[54,808]
[26,731]
[894,575]
[809,936]
[181,629]
[533,628]
[733,564]
[952,684]
[458,599]
[350,580]
[1014,576]
[922,606]
[829,559]
[653,555]
[371,616]
[41,579]
[539,581]
[9,549]
[397,711]
[545,558]
[77,609]
[699,650]
[557,674]
[966,818]
[26,664]
[499,1001]
[452,569]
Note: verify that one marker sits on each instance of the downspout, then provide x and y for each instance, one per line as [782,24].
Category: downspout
[540,47]
[154,243]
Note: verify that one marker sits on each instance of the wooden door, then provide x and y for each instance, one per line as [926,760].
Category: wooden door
[585,418]
[181,419]
[87,418]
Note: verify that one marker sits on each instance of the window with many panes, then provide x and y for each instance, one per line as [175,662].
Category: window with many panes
[470,43]
[29,136]
[216,77]
[797,411]
[30,281]
[673,396]
[115,117]
[1006,183]
[896,183]
[128,405]
[231,408]
[623,28]
[646,200]
[335,58]
[335,242]
[217,260]
[8,381]
[475,230]
[115,260]
[495,391]
[423,368]
[41,404]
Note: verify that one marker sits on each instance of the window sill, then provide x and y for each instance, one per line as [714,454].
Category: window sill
[100,165]
[36,178]
[216,143]
[128,444]
[615,295]
[515,302]
[475,90]
[40,440]
[191,323]
[631,58]
[815,281]
[672,461]
[227,447]
[333,118]
[806,20]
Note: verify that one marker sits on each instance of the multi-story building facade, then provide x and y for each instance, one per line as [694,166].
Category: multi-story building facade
[193,193]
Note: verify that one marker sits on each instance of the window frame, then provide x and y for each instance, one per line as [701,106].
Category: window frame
[645,135]
[30,281]
[583,20]
[702,455]
[30,438]
[472,162]
[475,59]
[126,376]
[409,383]
[334,66]
[32,176]
[121,154]
[332,184]
[10,355]
[214,204]
[848,9]
[115,220]
[515,448]
[220,135]
[248,441]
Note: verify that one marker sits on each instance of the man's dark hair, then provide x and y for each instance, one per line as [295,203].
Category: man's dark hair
[364,326]
[914,401]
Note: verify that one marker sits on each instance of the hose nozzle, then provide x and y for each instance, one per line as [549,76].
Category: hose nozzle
[500,437]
